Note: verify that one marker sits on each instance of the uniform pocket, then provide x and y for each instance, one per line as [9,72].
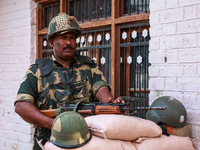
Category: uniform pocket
[79,85]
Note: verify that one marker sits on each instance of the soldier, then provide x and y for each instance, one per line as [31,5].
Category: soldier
[65,77]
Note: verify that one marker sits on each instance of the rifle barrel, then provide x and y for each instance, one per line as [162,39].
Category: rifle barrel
[144,108]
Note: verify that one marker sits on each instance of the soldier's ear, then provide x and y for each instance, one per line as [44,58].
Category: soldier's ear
[51,42]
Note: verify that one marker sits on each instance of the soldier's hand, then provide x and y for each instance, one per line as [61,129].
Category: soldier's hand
[118,100]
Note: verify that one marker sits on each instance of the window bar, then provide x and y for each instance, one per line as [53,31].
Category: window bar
[145,65]
[140,67]
[130,7]
[129,66]
[75,8]
[97,10]
[124,68]
[95,48]
[145,6]
[142,5]
[134,69]
[105,8]
[82,13]
[89,10]
[137,6]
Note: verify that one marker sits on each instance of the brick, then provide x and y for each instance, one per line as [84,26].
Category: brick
[154,43]
[157,83]
[172,42]
[190,12]
[192,26]
[170,84]
[171,70]
[169,29]
[198,39]
[193,117]
[198,70]
[156,30]
[172,56]
[171,3]
[190,99]
[188,3]
[18,41]
[154,19]
[17,23]
[24,13]
[198,11]
[190,40]
[190,70]
[188,84]
[154,71]
[172,15]
[156,57]
[156,5]
[190,55]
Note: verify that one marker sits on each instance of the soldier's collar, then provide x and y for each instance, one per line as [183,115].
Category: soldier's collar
[57,63]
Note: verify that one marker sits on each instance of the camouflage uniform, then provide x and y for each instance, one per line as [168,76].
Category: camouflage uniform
[48,85]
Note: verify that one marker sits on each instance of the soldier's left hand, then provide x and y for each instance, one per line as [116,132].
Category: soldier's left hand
[118,100]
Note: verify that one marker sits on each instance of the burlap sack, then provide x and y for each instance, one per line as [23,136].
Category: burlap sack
[96,143]
[122,127]
[171,142]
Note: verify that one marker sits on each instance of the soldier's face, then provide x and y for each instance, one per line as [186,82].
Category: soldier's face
[64,46]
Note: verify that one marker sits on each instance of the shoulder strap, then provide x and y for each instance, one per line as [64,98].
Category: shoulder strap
[45,65]
[84,59]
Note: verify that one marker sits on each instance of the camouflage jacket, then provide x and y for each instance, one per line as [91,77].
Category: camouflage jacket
[49,85]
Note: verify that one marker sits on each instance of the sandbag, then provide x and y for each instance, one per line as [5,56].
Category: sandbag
[95,143]
[164,142]
[122,127]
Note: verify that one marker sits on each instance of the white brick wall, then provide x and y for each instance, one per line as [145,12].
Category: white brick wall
[175,55]
[16,48]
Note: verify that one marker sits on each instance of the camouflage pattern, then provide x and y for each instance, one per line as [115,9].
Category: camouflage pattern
[79,82]
[62,24]
[70,130]
[174,115]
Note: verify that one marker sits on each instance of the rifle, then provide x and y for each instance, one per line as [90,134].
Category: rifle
[98,108]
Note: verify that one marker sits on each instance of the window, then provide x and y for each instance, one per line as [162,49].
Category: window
[87,10]
[115,35]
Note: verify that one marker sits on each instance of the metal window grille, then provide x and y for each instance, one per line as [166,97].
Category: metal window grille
[134,53]
[129,7]
[87,10]
[97,45]
[47,50]
[48,12]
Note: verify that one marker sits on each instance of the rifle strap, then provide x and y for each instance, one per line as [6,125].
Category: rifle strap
[76,106]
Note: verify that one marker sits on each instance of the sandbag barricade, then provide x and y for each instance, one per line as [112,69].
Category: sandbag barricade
[121,132]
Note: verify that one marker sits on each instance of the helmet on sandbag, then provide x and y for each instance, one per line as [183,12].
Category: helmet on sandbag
[174,115]
[61,24]
[70,130]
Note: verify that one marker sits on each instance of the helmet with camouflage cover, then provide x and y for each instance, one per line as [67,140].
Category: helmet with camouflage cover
[70,130]
[174,115]
[61,24]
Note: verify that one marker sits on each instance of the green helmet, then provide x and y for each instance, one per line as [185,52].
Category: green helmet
[62,24]
[174,115]
[70,130]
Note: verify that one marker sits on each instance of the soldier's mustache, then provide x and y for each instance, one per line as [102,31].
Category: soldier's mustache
[67,47]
